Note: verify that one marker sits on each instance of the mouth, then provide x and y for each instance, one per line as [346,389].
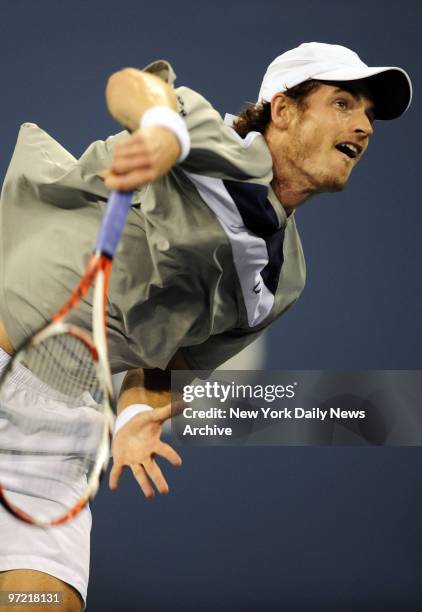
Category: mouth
[350,149]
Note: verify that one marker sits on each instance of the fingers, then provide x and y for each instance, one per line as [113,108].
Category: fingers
[142,158]
[167,452]
[122,165]
[142,480]
[144,474]
[138,443]
[130,144]
[116,472]
[172,409]
[132,180]
[132,165]
[156,475]
[147,473]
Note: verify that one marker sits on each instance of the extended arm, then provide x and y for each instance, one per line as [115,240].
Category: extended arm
[138,442]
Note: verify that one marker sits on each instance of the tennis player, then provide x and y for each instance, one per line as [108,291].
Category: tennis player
[210,256]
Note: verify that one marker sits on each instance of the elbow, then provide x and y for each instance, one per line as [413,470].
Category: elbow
[118,86]
[119,79]
[130,92]
[127,96]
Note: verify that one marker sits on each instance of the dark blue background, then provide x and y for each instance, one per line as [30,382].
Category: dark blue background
[258,528]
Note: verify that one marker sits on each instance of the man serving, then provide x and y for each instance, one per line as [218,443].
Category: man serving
[210,256]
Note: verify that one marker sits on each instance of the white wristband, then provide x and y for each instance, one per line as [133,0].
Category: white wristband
[168,118]
[128,413]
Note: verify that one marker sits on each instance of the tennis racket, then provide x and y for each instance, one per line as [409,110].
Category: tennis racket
[56,397]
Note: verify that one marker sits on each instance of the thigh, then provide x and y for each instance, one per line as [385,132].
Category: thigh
[58,553]
[31,580]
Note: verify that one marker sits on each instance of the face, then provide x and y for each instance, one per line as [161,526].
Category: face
[324,141]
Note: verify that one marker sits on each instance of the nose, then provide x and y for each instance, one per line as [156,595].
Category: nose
[363,124]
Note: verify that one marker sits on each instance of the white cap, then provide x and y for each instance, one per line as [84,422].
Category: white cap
[390,86]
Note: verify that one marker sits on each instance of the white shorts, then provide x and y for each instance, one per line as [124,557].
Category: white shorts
[61,551]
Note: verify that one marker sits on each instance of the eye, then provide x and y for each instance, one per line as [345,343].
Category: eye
[341,104]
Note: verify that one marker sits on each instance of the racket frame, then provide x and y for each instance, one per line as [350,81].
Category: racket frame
[98,271]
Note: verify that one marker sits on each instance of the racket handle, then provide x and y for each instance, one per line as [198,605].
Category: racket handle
[113,222]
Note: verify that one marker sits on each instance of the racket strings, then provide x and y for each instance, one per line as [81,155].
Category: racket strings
[64,363]
[55,422]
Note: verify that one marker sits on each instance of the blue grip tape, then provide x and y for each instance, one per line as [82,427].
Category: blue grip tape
[113,222]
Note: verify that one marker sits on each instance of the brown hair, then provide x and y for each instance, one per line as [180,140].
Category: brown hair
[255,117]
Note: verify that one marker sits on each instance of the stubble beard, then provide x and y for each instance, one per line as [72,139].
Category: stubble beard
[319,178]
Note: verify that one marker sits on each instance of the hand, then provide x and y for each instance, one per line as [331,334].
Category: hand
[142,158]
[137,443]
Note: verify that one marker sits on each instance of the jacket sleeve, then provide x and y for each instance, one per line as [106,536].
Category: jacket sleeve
[216,149]
[218,349]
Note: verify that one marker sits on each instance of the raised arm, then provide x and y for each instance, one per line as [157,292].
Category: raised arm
[147,106]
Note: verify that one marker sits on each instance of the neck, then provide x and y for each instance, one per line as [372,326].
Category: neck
[290,184]
[291,194]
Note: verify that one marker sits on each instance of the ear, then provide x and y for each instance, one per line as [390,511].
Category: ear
[282,108]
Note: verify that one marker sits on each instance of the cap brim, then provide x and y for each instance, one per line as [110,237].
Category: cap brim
[391,87]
